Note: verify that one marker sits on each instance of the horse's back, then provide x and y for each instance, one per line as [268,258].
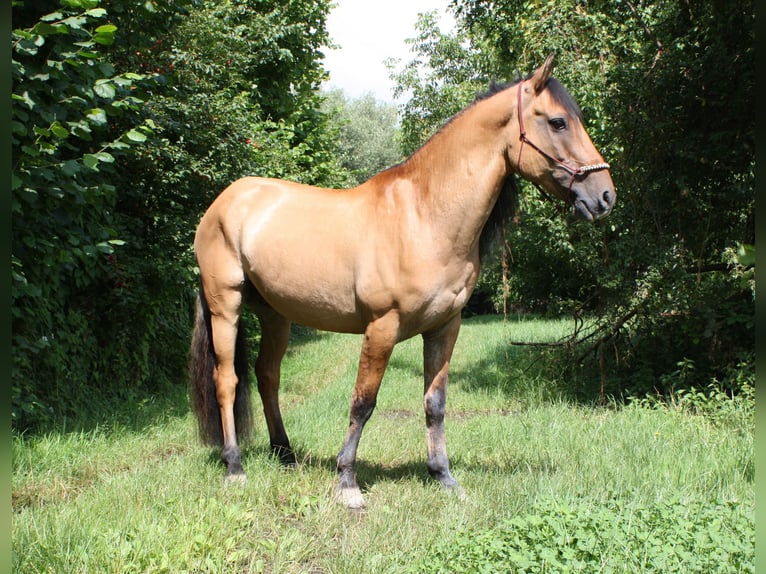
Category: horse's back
[296,244]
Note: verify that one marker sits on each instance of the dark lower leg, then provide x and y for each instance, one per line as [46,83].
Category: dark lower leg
[275,335]
[437,351]
[233,460]
[437,462]
[226,385]
[280,445]
[379,340]
[361,410]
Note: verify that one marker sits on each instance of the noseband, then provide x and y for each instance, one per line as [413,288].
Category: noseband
[573,171]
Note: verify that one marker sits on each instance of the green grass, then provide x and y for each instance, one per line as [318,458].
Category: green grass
[552,484]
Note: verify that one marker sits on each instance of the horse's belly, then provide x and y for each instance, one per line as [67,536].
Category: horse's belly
[309,296]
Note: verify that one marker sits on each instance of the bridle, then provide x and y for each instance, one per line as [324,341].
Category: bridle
[573,171]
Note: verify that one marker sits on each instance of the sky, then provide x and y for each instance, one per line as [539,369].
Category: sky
[368,33]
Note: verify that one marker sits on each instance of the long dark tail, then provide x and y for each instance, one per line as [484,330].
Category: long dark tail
[202,388]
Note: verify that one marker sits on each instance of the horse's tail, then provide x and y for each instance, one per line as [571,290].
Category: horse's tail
[202,387]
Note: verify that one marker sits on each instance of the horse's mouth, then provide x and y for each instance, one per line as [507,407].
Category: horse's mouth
[588,211]
[581,211]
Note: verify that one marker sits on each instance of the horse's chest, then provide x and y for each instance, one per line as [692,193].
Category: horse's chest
[445,290]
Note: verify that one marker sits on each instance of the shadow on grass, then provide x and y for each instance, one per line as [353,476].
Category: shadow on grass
[522,370]
[500,367]
[129,411]
[372,472]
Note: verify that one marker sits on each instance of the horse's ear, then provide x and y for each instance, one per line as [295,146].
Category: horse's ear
[542,74]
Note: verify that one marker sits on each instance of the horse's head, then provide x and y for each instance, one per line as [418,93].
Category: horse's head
[553,149]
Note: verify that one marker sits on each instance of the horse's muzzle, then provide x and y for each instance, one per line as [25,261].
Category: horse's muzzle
[591,207]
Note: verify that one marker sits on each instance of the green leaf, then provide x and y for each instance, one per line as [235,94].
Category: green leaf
[104,39]
[26,98]
[97,116]
[90,161]
[118,145]
[75,22]
[70,167]
[105,34]
[81,129]
[105,89]
[746,254]
[59,130]
[27,47]
[81,4]
[18,128]
[45,29]
[106,28]
[52,17]
[104,157]
[136,136]
[97,13]
[30,151]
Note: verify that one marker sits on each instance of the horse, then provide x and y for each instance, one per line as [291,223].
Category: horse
[390,259]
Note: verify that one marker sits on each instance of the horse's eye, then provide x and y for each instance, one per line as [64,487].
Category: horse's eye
[558,124]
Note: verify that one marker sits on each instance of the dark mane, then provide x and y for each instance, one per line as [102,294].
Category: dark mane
[494,88]
[495,230]
[563,98]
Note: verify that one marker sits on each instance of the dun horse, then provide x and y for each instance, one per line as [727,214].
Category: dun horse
[395,257]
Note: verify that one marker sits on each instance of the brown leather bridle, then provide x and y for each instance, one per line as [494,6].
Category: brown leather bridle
[573,171]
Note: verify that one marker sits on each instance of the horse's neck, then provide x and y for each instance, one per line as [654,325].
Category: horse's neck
[461,170]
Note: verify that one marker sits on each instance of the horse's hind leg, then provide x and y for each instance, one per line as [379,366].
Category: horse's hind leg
[275,335]
[225,304]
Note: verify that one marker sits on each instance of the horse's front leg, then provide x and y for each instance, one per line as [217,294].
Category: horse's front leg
[379,340]
[437,351]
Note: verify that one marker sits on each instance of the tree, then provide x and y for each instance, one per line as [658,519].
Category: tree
[667,271]
[128,120]
[367,133]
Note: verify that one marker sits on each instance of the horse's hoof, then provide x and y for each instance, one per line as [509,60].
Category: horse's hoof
[285,455]
[237,479]
[288,460]
[351,498]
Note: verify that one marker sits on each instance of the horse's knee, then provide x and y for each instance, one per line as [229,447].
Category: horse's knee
[435,404]
[361,409]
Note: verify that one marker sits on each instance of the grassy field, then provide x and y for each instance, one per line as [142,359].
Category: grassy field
[552,484]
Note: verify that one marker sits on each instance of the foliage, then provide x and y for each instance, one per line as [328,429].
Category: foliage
[367,133]
[128,120]
[669,536]
[665,271]
[67,99]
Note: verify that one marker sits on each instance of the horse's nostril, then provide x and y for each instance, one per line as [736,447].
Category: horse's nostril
[607,197]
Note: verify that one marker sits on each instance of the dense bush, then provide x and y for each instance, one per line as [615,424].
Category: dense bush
[128,119]
[67,100]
